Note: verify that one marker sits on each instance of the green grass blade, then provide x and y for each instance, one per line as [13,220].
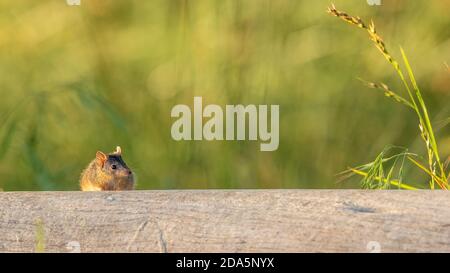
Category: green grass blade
[424,111]
[393,182]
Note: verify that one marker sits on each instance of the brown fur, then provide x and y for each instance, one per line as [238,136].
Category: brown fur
[97,178]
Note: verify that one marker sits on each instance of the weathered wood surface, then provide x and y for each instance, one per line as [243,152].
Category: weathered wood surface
[226,221]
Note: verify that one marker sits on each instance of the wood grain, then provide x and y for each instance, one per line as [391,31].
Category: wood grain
[226,221]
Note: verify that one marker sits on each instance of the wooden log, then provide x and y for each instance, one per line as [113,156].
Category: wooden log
[226,221]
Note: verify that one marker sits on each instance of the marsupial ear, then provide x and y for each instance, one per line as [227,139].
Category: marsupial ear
[118,150]
[101,158]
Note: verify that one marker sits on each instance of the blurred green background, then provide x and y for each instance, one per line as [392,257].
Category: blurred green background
[77,79]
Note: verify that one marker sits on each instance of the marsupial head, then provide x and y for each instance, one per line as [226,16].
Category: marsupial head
[113,165]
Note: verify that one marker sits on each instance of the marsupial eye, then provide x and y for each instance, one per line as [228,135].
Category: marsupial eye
[113,166]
